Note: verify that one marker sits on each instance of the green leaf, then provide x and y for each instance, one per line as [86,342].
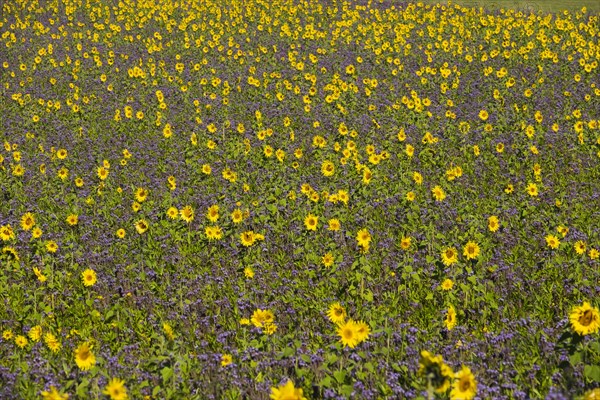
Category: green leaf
[592,372]
[325,382]
[82,388]
[575,358]
[339,376]
[305,358]
[288,352]
[166,373]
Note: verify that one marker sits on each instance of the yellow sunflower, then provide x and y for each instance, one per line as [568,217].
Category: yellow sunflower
[348,333]
[471,250]
[585,319]
[141,226]
[464,386]
[311,222]
[286,392]
[449,256]
[450,320]
[84,357]
[27,221]
[89,277]
[116,389]
[336,313]
[187,213]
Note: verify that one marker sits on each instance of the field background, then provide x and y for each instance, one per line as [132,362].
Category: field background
[534,6]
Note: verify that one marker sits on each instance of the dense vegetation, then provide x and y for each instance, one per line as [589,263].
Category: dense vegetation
[289,199]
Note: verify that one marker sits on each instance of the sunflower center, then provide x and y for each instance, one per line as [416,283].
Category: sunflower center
[464,384]
[84,354]
[449,253]
[586,318]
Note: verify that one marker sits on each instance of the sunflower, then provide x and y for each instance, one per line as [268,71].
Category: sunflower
[552,241]
[363,238]
[248,273]
[36,232]
[141,226]
[247,238]
[102,173]
[465,386]
[72,219]
[52,342]
[35,333]
[493,223]
[172,212]
[449,256]
[237,216]
[116,389]
[21,341]
[471,250]
[410,196]
[141,195]
[261,317]
[447,284]
[213,213]
[286,392]
[532,189]
[84,357]
[168,329]
[63,173]
[311,222]
[6,233]
[206,169]
[10,253]
[51,246]
[120,233]
[336,313]
[27,221]
[54,394]
[405,242]
[327,168]
[328,259]
[438,193]
[187,213]
[333,225]
[41,277]
[226,359]
[213,232]
[348,333]
[418,178]
[563,230]
[593,394]
[585,319]
[450,320]
[580,247]
[363,331]
[270,328]
[437,372]
[89,277]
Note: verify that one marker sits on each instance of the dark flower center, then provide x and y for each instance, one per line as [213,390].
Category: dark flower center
[586,318]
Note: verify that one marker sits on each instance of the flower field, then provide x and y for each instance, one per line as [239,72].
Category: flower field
[298,199]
